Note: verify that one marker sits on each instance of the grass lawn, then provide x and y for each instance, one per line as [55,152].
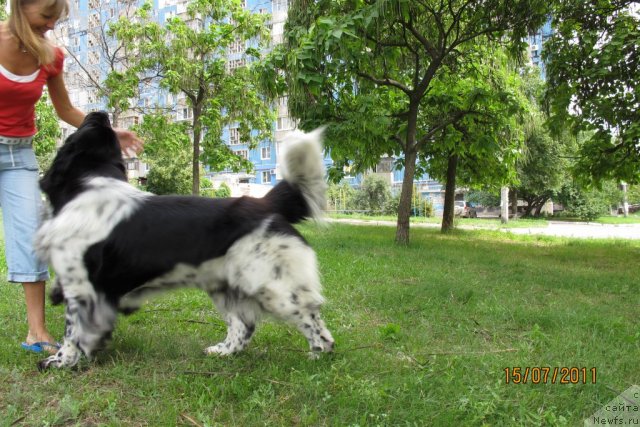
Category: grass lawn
[494,223]
[424,335]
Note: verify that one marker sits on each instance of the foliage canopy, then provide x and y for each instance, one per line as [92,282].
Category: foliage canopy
[593,84]
[369,68]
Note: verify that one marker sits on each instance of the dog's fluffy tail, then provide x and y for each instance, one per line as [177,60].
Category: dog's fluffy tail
[303,172]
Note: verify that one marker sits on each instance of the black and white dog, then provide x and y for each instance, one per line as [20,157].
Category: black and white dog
[113,246]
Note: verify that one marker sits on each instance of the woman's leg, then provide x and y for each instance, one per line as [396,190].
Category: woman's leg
[34,295]
[21,202]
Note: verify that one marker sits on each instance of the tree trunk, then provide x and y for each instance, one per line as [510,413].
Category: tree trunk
[625,200]
[504,205]
[449,194]
[410,157]
[115,117]
[541,204]
[513,197]
[195,190]
[531,204]
[406,194]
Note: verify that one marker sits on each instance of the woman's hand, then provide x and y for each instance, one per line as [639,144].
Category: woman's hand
[130,144]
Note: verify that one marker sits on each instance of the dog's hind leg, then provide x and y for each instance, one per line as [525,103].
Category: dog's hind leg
[301,307]
[312,327]
[89,320]
[240,314]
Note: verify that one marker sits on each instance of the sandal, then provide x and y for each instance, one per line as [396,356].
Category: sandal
[41,347]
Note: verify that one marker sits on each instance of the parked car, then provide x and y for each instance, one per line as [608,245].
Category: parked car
[632,209]
[464,209]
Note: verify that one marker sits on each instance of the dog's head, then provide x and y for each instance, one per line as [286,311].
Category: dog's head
[91,151]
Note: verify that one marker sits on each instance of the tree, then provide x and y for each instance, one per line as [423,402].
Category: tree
[482,147]
[373,194]
[369,67]
[544,168]
[166,151]
[108,72]
[46,139]
[190,57]
[593,70]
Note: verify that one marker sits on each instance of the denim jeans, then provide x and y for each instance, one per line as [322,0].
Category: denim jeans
[21,203]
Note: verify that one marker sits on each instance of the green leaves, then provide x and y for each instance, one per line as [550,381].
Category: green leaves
[395,77]
[593,74]
[206,58]
[44,142]
[167,151]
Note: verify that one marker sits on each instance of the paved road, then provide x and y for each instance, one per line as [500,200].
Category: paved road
[555,228]
[584,230]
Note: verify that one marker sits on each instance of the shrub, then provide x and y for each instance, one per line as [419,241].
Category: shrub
[587,204]
[419,206]
[169,177]
[223,191]
[372,195]
[340,197]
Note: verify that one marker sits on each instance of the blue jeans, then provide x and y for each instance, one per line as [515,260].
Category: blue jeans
[21,203]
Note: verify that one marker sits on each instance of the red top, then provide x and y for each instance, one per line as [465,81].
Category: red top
[19,95]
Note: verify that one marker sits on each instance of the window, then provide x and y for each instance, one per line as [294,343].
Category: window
[236,47]
[94,20]
[284,123]
[265,153]
[234,136]
[266,177]
[186,113]
[235,63]
[243,153]
[94,58]
[280,5]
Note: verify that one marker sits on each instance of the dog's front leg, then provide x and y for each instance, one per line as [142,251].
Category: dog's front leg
[69,354]
[89,319]
[67,357]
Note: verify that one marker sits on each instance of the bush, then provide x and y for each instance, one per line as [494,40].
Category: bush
[166,177]
[373,194]
[223,191]
[340,197]
[419,206]
[588,204]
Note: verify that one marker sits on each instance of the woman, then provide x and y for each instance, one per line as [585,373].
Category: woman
[28,61]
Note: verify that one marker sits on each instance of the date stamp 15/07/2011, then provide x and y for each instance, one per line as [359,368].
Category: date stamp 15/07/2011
[550,375]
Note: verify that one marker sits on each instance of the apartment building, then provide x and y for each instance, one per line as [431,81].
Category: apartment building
[91,56]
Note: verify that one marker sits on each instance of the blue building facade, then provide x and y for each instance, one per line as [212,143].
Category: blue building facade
[536,43]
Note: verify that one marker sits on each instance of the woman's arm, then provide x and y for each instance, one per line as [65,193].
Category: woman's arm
[61,102]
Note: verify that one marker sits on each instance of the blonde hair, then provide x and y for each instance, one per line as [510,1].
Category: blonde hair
[39,47]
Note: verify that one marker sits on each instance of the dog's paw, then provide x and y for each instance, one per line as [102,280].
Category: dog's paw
[220,349]
[313,355]
[49,362]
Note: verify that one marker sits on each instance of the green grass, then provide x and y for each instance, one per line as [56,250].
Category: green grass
[489,223]
[424,334]
[493,223]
